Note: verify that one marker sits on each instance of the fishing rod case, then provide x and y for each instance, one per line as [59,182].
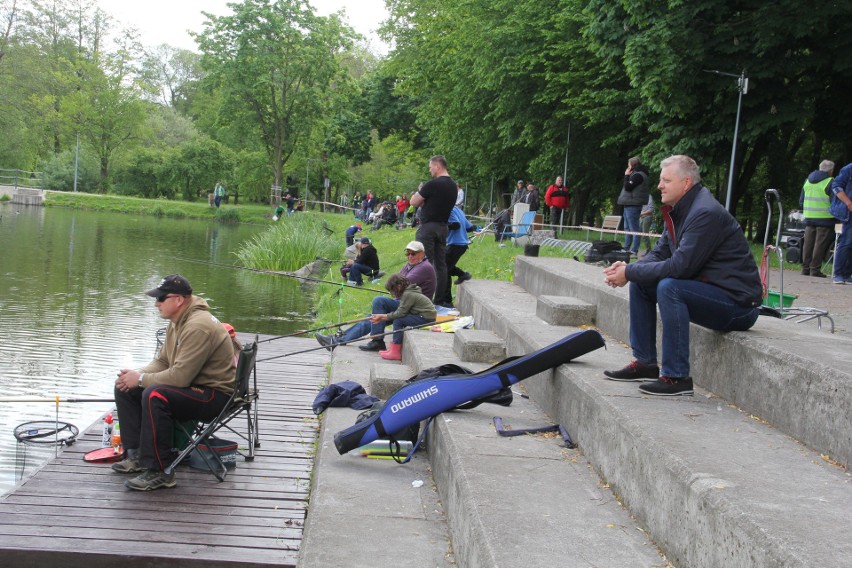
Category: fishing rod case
[429,397]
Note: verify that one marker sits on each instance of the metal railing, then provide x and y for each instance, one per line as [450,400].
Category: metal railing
[22,178]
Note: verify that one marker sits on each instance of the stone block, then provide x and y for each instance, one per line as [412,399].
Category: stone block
[479,346]
[564,310]
[386,378]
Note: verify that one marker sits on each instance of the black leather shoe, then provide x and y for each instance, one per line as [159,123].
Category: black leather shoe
[327,341]
[817,273]
[374,345]
[463,278]
[635,371]
[664,386]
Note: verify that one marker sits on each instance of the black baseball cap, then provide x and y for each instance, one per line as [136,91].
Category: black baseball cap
[171,284]
[365,241]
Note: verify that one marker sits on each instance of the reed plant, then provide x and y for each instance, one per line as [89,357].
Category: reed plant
[290,244]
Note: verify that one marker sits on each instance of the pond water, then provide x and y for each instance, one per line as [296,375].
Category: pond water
[73,309]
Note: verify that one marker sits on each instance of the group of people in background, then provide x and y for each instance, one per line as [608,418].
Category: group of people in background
[827,201]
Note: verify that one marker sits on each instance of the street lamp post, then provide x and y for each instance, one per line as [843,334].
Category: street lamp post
[742,87]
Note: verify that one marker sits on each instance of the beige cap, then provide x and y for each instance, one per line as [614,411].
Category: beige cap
[415,246]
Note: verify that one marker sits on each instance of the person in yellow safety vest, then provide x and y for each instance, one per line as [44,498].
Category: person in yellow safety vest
[819,224]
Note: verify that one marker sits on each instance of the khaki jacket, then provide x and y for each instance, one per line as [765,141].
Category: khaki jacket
[197,352]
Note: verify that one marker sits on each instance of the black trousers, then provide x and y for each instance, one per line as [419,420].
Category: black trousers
[454,253]
[147,418]
[434,239]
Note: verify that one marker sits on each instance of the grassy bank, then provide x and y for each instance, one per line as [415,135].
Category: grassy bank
[251,213]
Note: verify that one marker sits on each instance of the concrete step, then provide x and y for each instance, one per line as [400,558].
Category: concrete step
[792,375]
[711,484]
[365,513]
[521,501]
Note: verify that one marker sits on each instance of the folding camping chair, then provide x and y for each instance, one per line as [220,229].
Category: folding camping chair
[243,400]
[522,229]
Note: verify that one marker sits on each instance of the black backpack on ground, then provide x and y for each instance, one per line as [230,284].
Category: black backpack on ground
[606,251]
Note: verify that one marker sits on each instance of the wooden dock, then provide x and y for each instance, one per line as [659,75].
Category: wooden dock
[74,513]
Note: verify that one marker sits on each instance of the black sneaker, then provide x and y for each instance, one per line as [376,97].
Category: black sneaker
[806,272]
[817,274]
[374,345]
[463,278]
[666,386]
[327,341]
[635,371]
[150,480]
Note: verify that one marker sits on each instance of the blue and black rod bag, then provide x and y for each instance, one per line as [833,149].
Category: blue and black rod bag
[430,397]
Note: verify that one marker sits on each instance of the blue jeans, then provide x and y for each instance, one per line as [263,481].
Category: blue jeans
[680,302]
[356,270]
[843,254]
[407,321]
[381,305]
[631,223]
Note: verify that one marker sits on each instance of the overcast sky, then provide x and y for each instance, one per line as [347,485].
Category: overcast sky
[167,21]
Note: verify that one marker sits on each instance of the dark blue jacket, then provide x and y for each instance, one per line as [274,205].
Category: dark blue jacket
[702,241]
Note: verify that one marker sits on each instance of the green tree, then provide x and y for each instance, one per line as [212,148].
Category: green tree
[276,64]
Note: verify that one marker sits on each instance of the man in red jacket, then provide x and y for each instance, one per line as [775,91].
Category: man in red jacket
[556,198]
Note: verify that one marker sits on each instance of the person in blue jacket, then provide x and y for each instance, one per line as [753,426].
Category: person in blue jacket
[841,208]
[701,271]
[457,244]
[351,232]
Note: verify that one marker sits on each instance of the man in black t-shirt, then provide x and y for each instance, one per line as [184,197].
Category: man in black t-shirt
[436,200]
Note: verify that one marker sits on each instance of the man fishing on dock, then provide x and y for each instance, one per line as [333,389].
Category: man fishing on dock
[191,379]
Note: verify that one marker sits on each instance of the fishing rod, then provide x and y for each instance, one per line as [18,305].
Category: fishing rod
[304,331]
[55,400]
[368,336]
[282,273]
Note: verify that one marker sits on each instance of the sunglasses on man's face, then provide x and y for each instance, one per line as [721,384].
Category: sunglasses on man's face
[165,297]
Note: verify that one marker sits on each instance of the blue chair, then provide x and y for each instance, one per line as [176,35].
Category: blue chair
[521,230]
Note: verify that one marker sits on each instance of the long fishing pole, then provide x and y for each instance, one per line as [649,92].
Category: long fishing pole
[55,399]
[304,331]
[368,336]
[282,273]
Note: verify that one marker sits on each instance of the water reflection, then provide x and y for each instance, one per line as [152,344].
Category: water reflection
[72,308]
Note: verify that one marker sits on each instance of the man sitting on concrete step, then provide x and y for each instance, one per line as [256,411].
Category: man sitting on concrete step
[702,271]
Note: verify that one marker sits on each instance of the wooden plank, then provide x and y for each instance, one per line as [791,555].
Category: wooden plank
[75,513]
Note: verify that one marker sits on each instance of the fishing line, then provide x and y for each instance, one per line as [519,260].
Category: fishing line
[282,273]
[368,336]
[304,331]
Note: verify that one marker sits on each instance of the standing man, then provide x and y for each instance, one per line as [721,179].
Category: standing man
[634,194]
[841,187]
[520,191]
[701,271]
[556,197]
[819,223]
[436,200]
[218,194]
[531,197]
[191,379]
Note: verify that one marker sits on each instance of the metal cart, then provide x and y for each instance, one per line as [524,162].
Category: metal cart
[784,301]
